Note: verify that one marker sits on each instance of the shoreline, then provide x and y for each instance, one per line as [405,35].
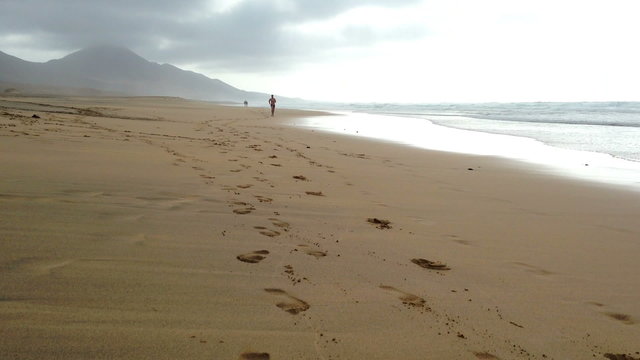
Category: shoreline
[165,228]
[526,119]
[581,165]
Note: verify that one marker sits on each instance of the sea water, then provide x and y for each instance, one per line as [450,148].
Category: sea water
[596,141]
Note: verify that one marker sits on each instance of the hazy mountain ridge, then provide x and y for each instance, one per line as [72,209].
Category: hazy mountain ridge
[119,70]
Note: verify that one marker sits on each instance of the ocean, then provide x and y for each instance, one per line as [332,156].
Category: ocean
[598,141]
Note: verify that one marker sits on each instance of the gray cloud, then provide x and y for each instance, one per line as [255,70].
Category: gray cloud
[250,36]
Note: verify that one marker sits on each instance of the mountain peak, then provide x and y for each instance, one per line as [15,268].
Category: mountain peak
[106,62]
[109,52]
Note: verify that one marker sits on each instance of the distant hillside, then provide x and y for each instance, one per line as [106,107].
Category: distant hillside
[10,88]
[110,69]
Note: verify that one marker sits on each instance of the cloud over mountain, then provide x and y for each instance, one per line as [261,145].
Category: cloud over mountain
[231,34]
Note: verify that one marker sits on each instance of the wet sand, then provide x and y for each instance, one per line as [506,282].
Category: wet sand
[161,228]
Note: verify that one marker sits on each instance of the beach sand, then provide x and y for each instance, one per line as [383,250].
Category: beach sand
[160,228]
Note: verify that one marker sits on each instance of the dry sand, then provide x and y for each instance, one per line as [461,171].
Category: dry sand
[158,228]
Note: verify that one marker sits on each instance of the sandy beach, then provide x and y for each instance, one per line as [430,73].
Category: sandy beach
[161,228]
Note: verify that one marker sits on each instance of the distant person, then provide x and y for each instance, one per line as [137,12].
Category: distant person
[272,102]
[246,103]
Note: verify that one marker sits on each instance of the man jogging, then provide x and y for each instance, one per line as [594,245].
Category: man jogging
[272,102]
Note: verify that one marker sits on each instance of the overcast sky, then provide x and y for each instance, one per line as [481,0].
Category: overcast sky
[358,50]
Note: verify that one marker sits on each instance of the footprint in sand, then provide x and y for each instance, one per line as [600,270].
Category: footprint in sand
[359,156]
[433,265]
[620,356]
[292,304]
[485,355]
[380,223]
[263,199]
[243,211]
[462,242]
[534,269]
[279,223]
[315,253]
[247,208]
[268,232]
[38,266]
[406,298]
[245,186]
[253,257]
[456,238]
[300,177]
[626,319]
[314,193]
[258,178]
[254,356]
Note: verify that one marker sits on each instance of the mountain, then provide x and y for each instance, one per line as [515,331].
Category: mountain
[119,70]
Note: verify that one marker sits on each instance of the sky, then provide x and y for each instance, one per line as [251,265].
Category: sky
[407,51]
